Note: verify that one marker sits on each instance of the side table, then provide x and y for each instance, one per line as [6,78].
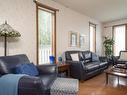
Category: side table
[64,68]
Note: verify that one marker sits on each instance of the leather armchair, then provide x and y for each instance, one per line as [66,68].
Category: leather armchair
[30,85]
[121,59]
[89,64]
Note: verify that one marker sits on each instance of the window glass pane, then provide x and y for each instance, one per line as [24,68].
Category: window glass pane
[45,30]
[119,37]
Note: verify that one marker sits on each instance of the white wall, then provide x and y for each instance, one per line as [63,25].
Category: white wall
[21,15]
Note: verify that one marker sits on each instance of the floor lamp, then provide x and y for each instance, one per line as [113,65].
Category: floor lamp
[7,31]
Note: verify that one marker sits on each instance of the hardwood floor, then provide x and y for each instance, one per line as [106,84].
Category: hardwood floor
[97,86]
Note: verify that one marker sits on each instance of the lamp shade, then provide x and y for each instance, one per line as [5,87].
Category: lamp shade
[8,31]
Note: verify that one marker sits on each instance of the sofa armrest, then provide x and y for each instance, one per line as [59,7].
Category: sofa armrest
[47,69]
[29,85]
[77,69]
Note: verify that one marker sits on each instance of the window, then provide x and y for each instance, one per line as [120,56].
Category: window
[119,34]
[92,30]
[46,33]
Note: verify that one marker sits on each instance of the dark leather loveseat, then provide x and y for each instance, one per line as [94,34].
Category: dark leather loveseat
[89,64]
[30,85]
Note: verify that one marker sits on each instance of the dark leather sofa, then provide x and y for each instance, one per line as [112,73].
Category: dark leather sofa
[30,85]
[89,64]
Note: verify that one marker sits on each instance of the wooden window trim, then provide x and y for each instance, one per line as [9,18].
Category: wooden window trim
[47,10]
[125,36]
[119,25]
[38,4]
[45,6]
[90,23]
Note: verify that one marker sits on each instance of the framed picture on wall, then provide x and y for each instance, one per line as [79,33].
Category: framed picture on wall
[82,40]
[73,39]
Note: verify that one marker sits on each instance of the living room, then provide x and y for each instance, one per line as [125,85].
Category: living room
[70,17]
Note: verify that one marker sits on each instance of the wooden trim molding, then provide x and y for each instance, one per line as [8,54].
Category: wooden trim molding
[37,34]
[126,37]
[55,35]
[113,47]
[45,6]
[119,25]
[95,37]
[92,24]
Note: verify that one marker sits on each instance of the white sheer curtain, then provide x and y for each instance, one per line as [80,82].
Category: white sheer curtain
[93,37]
[119,37]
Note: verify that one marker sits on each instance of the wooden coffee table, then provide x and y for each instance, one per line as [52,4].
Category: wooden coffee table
[118,72]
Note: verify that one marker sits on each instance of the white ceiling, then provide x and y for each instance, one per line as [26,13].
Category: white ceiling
[102,10]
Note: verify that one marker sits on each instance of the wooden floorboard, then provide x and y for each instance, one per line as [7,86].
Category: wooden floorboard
[97,86]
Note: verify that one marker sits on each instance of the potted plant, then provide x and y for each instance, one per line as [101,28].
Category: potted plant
[108,44]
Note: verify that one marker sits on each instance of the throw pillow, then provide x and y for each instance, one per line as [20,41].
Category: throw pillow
[75,57]
[26,68]
[95,57]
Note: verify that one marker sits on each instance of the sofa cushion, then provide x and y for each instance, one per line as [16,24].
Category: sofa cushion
[87,56]
[29,85]
[26,68]
[92,66]
[95,57]
[103,64]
